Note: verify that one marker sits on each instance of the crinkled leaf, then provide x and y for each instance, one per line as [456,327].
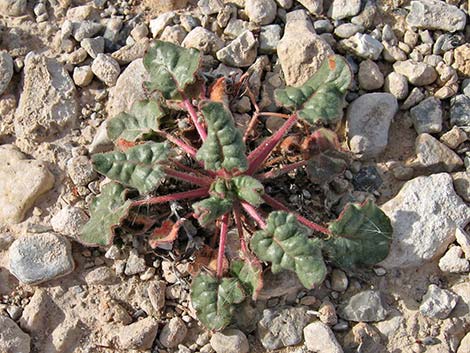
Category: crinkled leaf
[324,167]
[224,147]
[139,167]
[208,210]
[320,141]
[214,300]
[360,236]
[171,67]
[249,272]
[167,233]
[107,210]
[285,243]
[143,118]
[248,189]
[222,189]
[321,98]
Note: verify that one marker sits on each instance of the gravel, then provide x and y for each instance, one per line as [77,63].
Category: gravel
[438,303]
[460,110]
[435,156]
[418,74]
[106,69]
[397,85]
[69,220]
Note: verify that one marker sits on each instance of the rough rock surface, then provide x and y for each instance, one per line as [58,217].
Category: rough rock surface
[364,306]
[435,14]
[438,303]
[424,216]
[435,156]
[241,52]
[320,339]
[139,335]
[12,339]
[418,74]
[6,70]
[230,341]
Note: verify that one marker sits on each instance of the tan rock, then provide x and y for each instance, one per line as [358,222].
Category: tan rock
[462,59]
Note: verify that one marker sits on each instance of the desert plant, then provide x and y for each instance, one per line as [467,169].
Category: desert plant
[230,180]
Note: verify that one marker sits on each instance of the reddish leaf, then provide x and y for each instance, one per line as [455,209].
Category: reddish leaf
[124,145]
[206,257]
[218,91]
[320,141]
[167,233]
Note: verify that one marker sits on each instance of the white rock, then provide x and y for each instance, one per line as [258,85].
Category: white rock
[22,181]
[106,69]
[397,85]
[12,339]
[453,262]
[82,75]
[340,9]
[66,336]
[139,335]
[173,333]
[35,313]
[315,7]
[320,339]
[418,74]
[157,25]
[438,303]
[134,264]
[230,341]
[6,70]
[69,220]
[369,118]
[424,216]
[464,241]
[435,14]
[363,45]
[262,12]
[204,40]
[269,38]
[241,52]
[464,346]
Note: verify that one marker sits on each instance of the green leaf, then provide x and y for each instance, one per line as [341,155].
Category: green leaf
[143,118]
[171,67]
[286,245]
[224,147]
[250,273]
[208,210]
[321,98]
[106,213]
[139,167]
[249,189]
[214,300]
[361,236]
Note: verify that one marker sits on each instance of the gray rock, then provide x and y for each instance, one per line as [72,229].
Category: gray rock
[22,181]
[363,45]
[174,34]
[463,239]
[210,7]
[106,69]
[397,85]
[93,46]
[300,50]
[5,240]
[203,40]
[423,205]
[453,261]
[241,52]
[462,184]
[85,29]
[13,7]
[12,338]
[367,16]
[69,220]
[269,38]
[173,333]
[278,285]
[48,102]
[347,30]
[416,95]
[134,264]
[438,303]
[156,293]
[418,74]
[157,25]
[139,335]
[460,110]
[80,170]
[454,137]
[466,87]
[262,12]
[340,9]
[369,119]
[235,27]
[323,26]
[435,156]
[100,276]
[82,75]
[427,116]
[364,306]
[6,70]
[41,257]
[370,77]
[320,338]
[339,280]
[230,341]
[435,14]
[282,327]
[131,52]
[315,7]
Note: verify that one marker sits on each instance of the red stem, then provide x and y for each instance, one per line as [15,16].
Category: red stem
[253,213]
[193,114]
[187,177]
[192,170]
[279,115]
[238,223]
[184,146]
[192,194]
[222,240]
[283,170]
[280,206]
[258,155]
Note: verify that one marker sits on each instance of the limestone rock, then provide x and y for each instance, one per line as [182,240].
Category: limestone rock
[13,7]
[204,40]
[6,70]
[418,74]
[462,59]
[435,156]
[340,9]
[139,335]
[364,306]
[262,12]
[370,77]
[453,261]
[106,69]
[438,303]
[435,14]
[173,333]
[69,220]
[12,339]
[315,7]
[320,339]
[241,52]
[363,45]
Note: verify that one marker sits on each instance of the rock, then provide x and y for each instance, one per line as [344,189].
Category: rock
[82,75]
[367,16]
[323,26]
[13,8]
[397,85]
[35,314]
[315,7]
[463,239]
[134,264]
[100,276]
[173,333]
[437,303]
[454,137]
[230,341]
[427,116]
[369,118]
[262,12]
[464,346]
[210,7]
[300,50]
[370,77]
[416,95]
[278,285]
[269,38]
[460,110]
[12,339]
[40,257]
[85,29]
[363,45]
[47,103]
[462,59]
[65,336]
[364,338]
[320,339]
[5,240]
[139,335]
[80,170]
[93,46]
[423,205]
[327,313]
[157,25]
[156,293]
[69,220]
[347,30]
[418,74]
[203,40]
[6,70]
[174,34]
[129,53]
[453,262]
[435,156]
[340,9]
[462,184]
[435,14]
[106,69]
[235,27]
[364,306]
[282,327]
[339,280]
[241,52]
[22,181]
